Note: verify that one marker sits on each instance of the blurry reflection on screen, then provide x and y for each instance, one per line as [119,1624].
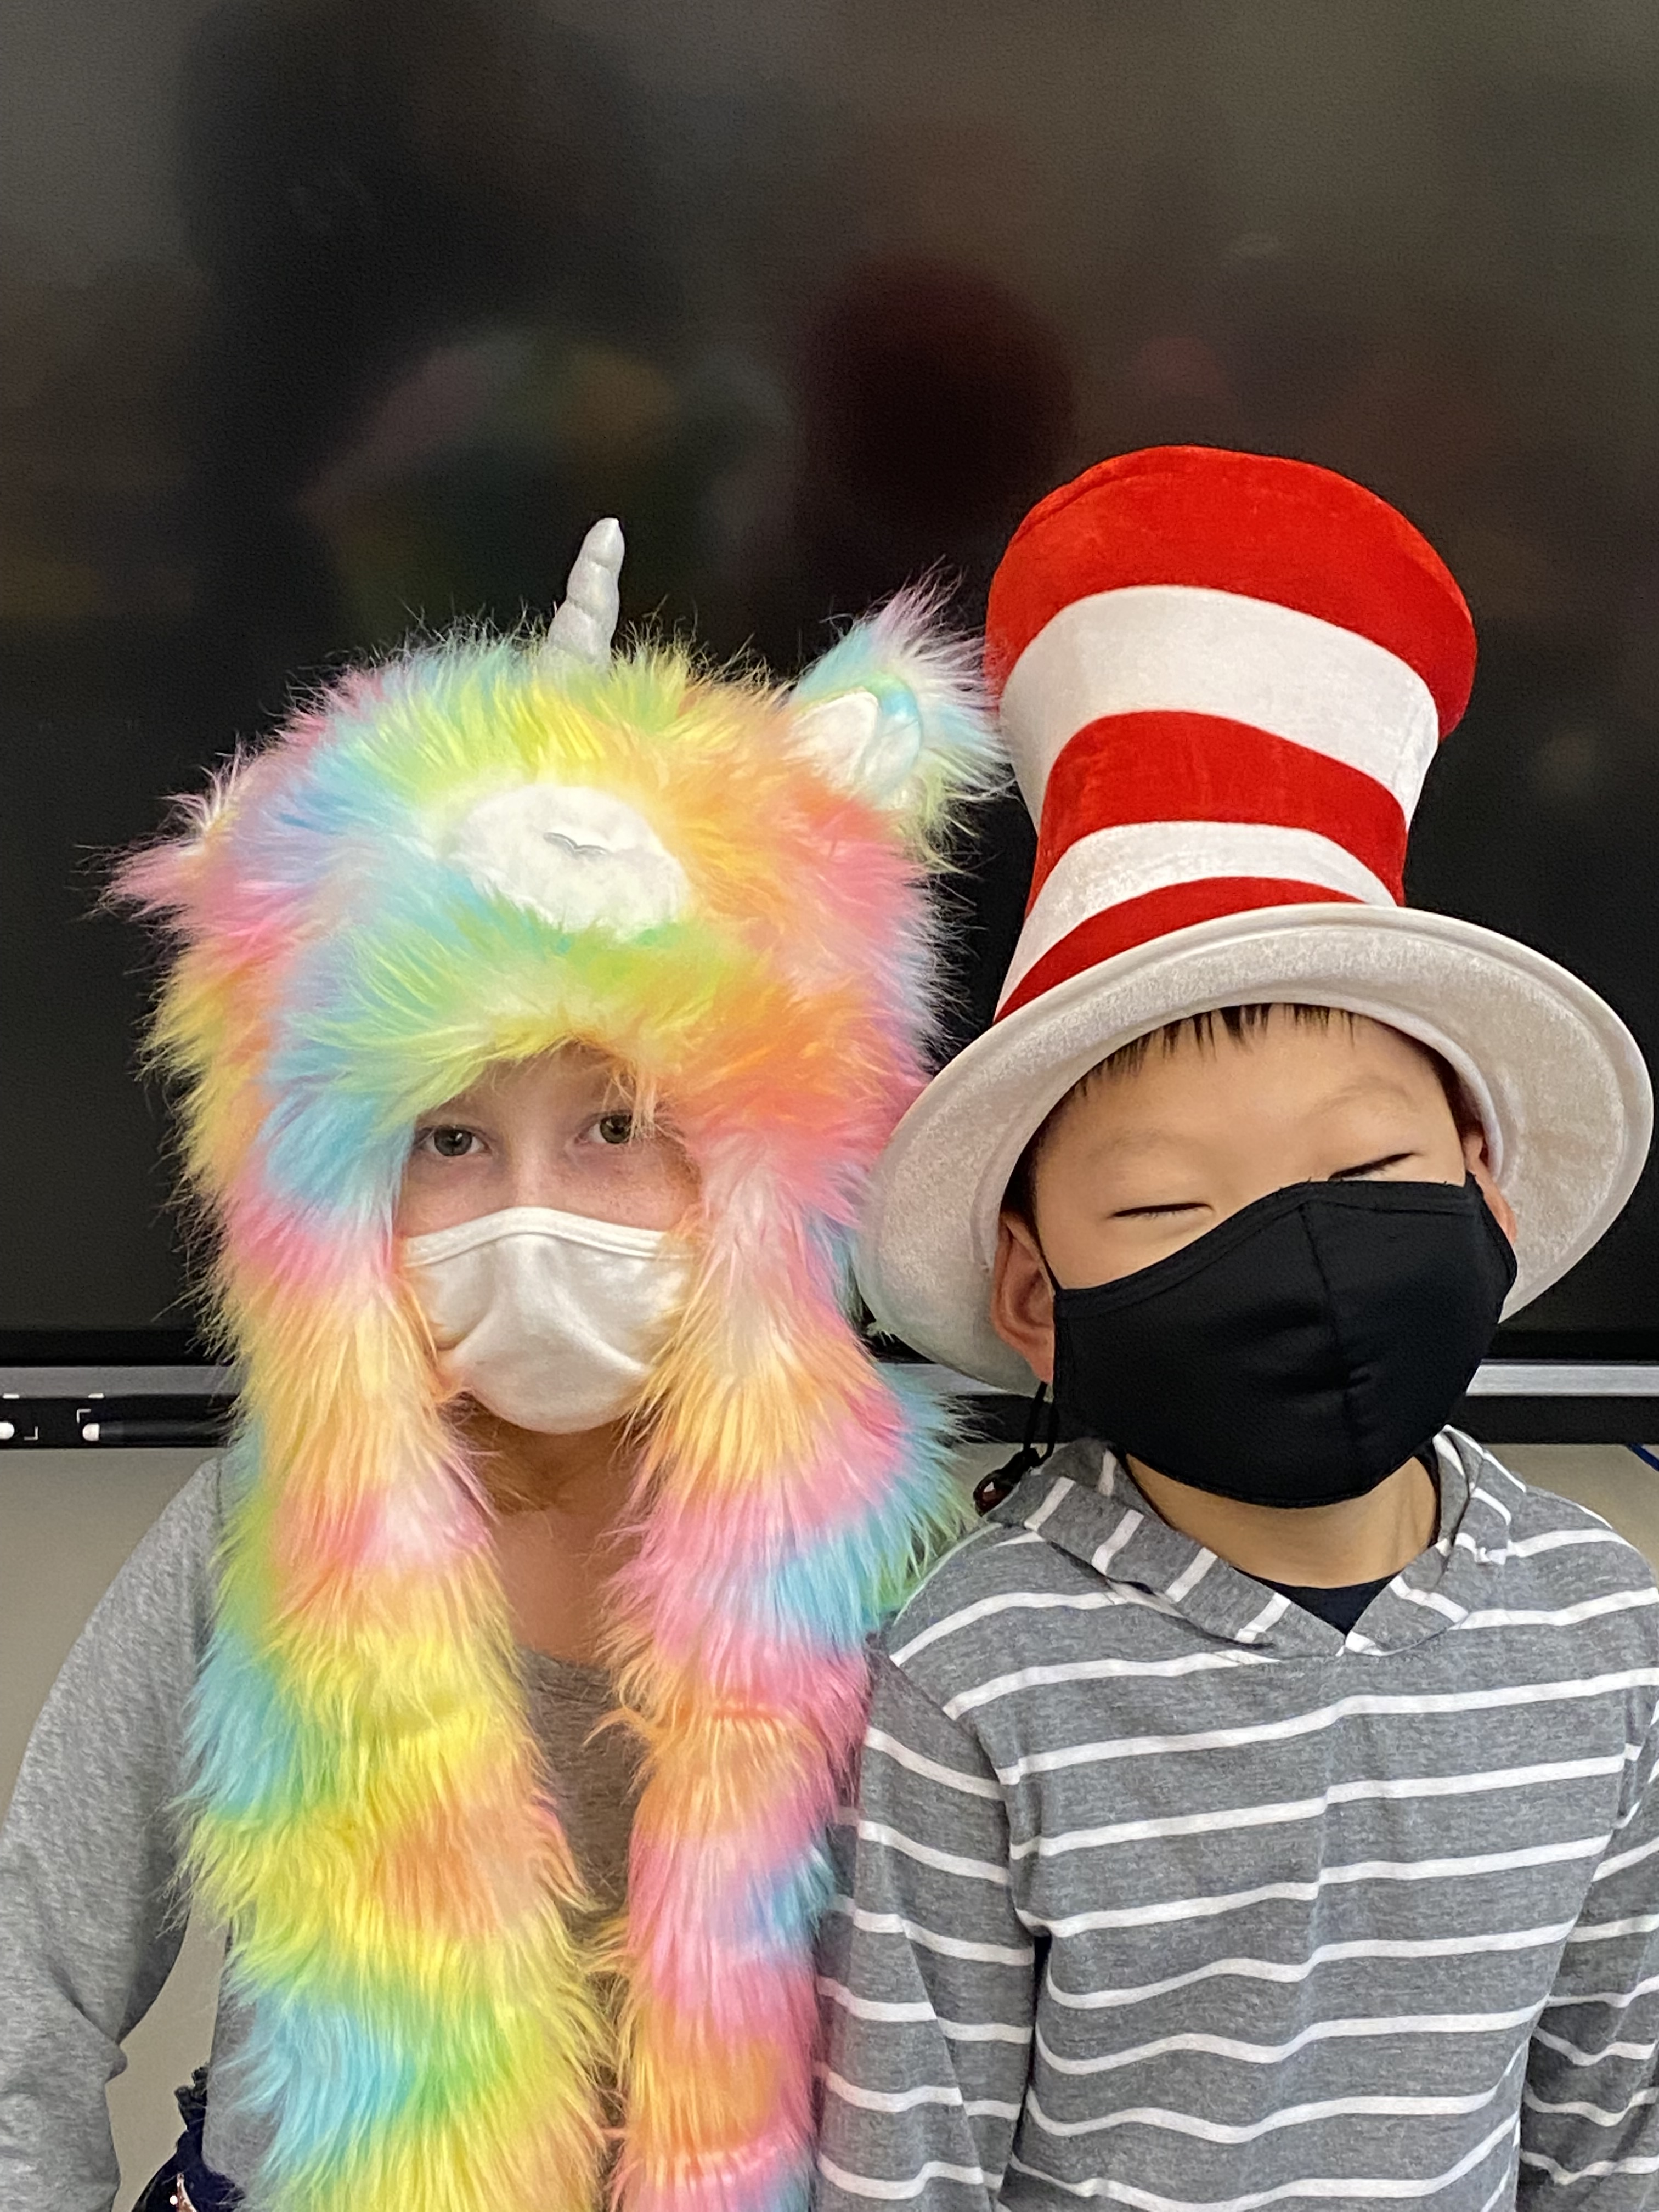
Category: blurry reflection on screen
[330,318]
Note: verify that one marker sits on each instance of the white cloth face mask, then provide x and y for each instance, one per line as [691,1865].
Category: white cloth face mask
[550,1320]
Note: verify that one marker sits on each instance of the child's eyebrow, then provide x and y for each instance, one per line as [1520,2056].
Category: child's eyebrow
[1132,1142]
[1364,1089]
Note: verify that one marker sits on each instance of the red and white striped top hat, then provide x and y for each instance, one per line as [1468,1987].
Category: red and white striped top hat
[1224,678]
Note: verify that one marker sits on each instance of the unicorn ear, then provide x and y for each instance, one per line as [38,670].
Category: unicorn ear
[585,621]
[896,714]
[849,739]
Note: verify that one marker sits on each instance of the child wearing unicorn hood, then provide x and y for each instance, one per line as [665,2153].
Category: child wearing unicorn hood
[539,1015]
[1261,1809]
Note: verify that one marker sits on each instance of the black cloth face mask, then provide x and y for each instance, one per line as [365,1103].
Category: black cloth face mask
[1298,1352]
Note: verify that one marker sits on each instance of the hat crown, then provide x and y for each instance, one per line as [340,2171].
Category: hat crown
[1222,678]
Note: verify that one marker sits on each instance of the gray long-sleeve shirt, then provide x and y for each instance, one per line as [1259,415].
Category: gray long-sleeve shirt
[91,1910]
[1161,1892]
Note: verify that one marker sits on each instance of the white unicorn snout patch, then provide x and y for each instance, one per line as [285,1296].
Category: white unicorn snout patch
[582,858]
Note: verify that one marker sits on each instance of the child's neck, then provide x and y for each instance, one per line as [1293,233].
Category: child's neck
[1309,1547]
[556,1534]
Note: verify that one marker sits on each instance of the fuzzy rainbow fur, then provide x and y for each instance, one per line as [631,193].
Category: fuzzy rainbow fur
[428,2028]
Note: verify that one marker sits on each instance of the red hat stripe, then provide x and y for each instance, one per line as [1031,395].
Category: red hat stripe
[1211,652]
[1110,868]
[1270,529]
[1203,768]
[1140,920]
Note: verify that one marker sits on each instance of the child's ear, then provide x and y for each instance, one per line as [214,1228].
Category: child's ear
[898,714]
[1477,1157]
[1023,1297]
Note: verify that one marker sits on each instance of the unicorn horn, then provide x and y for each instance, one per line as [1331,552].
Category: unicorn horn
[586,620]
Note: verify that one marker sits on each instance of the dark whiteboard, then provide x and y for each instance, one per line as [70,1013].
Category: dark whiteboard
[323,316]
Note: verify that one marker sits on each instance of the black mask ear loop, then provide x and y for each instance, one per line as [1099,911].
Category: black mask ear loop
[990,1490]
[1001,1481]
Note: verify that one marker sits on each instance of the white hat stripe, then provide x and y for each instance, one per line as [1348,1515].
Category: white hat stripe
[1109,866]
[1184,649]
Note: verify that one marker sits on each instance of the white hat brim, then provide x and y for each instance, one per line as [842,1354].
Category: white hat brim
[1559,1080]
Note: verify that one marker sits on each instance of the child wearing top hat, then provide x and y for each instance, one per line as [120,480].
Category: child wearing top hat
[1260,1807]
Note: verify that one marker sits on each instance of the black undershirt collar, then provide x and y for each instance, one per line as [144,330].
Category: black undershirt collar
[1341,1608]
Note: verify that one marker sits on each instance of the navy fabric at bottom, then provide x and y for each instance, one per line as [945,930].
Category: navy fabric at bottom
[208,2191]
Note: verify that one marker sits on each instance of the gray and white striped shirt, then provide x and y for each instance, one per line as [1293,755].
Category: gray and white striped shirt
[1161,1891]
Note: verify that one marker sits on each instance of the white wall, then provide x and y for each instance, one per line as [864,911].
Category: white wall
[68,1519]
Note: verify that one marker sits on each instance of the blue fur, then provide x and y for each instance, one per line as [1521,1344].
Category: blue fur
[242,1738]
[828,1593]
[320,2068]
[786,1907]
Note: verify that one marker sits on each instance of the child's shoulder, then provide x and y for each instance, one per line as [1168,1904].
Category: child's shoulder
[171,1571]
[185,1534]
[998,1600]
[992,1562]
[1557,1553]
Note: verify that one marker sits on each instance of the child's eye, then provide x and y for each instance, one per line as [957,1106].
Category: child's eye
[615,1128]
[1370,1168]
[1157,1212]
[447,1142]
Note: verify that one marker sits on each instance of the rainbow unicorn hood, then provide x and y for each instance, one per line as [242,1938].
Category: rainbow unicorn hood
[475,852]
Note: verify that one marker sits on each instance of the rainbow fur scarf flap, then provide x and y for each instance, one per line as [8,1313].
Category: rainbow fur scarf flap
[476,852]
